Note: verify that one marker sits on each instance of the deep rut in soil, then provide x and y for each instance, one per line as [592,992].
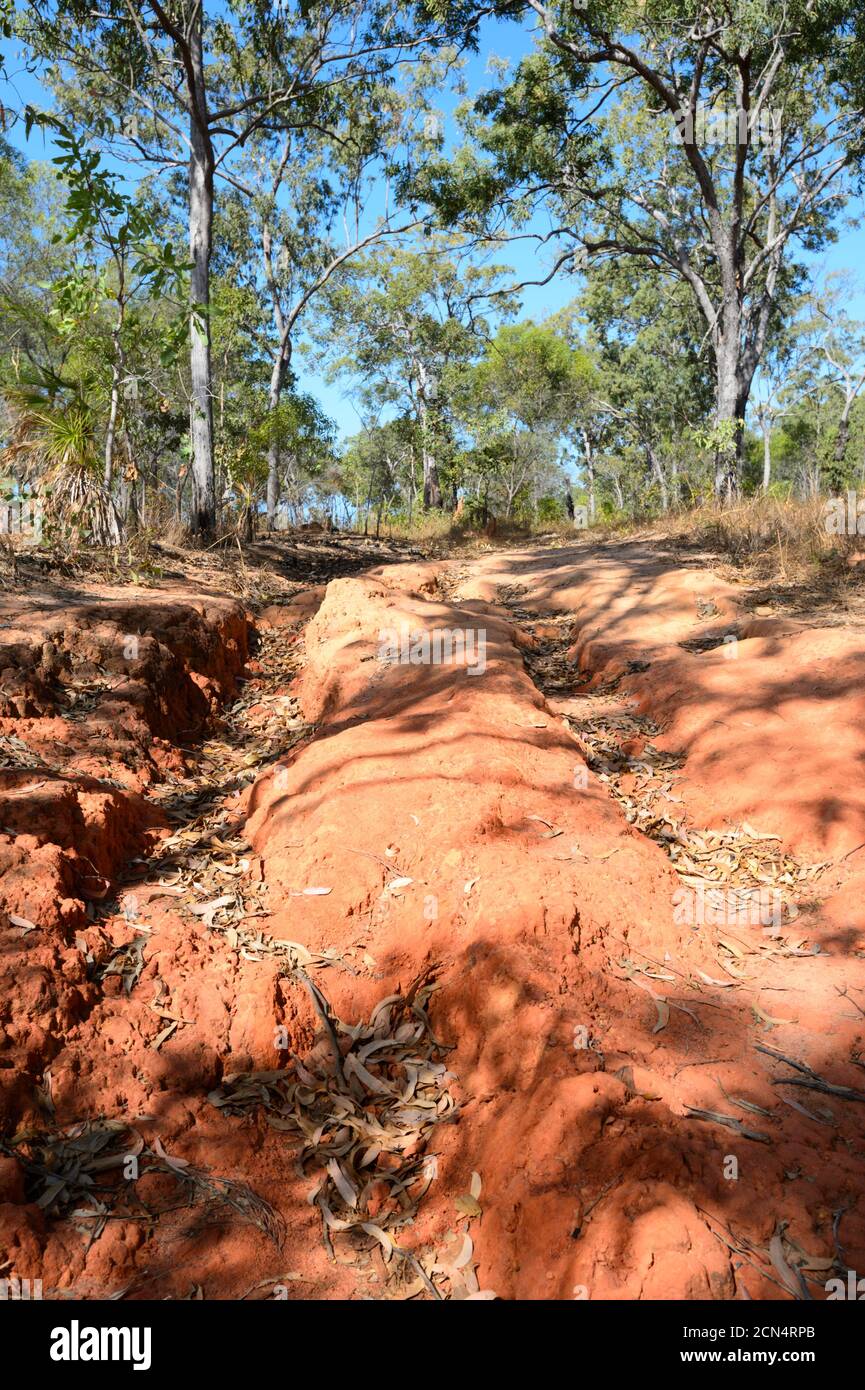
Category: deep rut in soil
[405,1000]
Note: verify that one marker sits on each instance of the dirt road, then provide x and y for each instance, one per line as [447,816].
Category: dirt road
[483,927]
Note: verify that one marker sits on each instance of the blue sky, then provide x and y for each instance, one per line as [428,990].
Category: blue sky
[507,41]
[504,40]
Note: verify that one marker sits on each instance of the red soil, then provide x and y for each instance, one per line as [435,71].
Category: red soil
[452,818]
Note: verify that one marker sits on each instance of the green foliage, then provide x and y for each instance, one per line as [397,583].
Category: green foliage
[362,191]
[550,509]
[531,375]
[54,446]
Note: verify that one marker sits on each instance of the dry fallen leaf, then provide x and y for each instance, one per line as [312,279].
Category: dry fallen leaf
[177,1163]
[464,1253]
[396,885]
[23,922]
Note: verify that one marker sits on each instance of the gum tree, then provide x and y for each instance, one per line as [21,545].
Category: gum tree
[708,143]
[530,390]
[403,322]
[182,86]
[302,205]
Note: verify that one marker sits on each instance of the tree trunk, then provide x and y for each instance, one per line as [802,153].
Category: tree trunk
[658,475]
[412,486]
[731,401]
[731,393]
[432,496]
[126,502]
[178,493]
[277,381]
[590,474]
[843,435]
[431,485]
[110,436]
[767,457]
[201,169]
[118,370]
[368,505]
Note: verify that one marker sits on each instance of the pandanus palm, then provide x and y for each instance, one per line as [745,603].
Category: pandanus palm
[54,444]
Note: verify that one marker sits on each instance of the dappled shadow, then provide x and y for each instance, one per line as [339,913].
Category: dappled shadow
[595,1179]
[610,1159]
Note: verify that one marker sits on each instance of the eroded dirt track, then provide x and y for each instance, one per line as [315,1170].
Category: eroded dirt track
[481,941]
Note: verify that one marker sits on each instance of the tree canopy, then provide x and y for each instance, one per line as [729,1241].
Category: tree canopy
[592,272]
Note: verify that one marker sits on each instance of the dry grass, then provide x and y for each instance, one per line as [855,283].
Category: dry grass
[440,534]
[430,527]
[764,538]
[761,540]
[785,536]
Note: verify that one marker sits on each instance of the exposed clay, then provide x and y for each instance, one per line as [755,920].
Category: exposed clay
[463,840]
